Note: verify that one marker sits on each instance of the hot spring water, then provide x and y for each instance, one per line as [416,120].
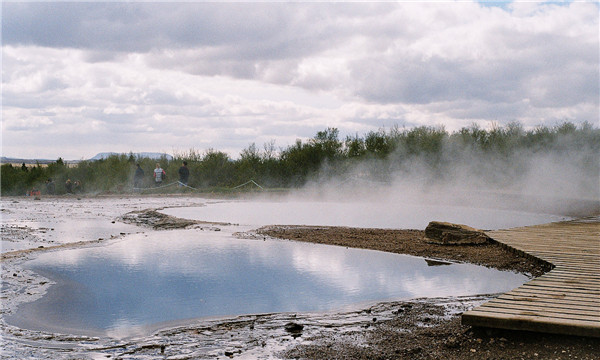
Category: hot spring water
[160,277]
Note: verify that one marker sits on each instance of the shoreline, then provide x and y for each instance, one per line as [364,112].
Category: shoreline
[421,328]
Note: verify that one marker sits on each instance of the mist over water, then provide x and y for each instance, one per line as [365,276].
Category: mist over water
[484,189]
[565,182]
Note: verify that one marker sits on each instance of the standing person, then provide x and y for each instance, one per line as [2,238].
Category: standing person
[138,178]
[69,186]
[159,174]
[77,187]
[184,174]
[50,187]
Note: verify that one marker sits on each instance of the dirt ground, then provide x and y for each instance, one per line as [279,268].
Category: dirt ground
[421,330]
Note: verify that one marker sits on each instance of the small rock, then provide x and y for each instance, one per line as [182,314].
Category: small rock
[293,327]
[452,342]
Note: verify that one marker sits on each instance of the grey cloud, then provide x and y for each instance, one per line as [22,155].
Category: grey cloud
[384,53]
[258,30]
[546,74]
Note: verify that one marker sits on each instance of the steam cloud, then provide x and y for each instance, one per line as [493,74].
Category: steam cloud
[562,181]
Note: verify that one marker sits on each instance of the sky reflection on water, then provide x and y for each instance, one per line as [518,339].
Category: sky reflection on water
[184,274]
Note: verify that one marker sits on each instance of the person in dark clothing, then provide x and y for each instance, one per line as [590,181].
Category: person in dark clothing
[69,186]
[77,187]
[50,187]
[184,173]
[138,178]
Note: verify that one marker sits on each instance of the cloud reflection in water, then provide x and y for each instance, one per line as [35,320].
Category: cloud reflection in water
[184,274]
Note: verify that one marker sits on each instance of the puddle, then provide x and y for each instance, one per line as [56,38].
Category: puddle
[363,214]
[128,286]
[31,234]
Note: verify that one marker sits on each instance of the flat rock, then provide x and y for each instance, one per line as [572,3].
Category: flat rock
[445,233]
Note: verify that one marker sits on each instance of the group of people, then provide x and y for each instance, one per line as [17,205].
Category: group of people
[160,175]
[71,187]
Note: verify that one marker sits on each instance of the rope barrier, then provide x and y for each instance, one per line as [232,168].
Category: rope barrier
[193,188]
[156,187]
[249,182]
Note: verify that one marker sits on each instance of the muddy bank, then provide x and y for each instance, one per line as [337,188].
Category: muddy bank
[425,331]
[410,242]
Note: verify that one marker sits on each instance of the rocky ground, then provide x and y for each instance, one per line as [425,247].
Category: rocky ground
[415,329]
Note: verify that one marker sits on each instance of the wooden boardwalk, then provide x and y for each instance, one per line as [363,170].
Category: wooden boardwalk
[565,300]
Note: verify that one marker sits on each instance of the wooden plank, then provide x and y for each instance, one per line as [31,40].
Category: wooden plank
[548,308]
[572,270]
[548,304]
[560,284]
[568,276]
[547,301]
[554,294]
[578,292]
[590,320]
[568,279]
[531,323]
[567,253]
[573,246]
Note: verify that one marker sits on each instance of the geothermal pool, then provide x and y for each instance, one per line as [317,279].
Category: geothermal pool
[130,286]
[156,279]
[365,214]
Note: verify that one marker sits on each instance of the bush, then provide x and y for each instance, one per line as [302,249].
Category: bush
[380,153]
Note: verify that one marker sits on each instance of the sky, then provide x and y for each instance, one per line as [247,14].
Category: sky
[79,78]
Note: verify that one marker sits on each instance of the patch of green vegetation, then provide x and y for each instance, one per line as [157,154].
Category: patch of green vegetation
[382,154]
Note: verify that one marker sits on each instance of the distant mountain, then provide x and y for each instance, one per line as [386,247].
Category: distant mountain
[7,160]
[140,155]
[100,156]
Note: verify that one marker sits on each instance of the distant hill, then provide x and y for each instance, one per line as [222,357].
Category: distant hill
[140,155]
[100,156]
[8,160]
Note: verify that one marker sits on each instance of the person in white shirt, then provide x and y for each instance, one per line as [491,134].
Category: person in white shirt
[159,175]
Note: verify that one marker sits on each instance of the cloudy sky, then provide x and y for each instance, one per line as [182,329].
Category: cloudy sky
[82,78]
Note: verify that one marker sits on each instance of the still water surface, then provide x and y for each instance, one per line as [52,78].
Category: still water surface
[369,214]
[166,276]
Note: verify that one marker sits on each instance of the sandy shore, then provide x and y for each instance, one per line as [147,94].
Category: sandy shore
[416,329]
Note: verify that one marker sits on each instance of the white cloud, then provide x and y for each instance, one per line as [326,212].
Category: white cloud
[126,77]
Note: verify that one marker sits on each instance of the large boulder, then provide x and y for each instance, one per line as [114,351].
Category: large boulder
[454,234]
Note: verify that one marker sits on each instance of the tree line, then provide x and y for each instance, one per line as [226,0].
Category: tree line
[381,154]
